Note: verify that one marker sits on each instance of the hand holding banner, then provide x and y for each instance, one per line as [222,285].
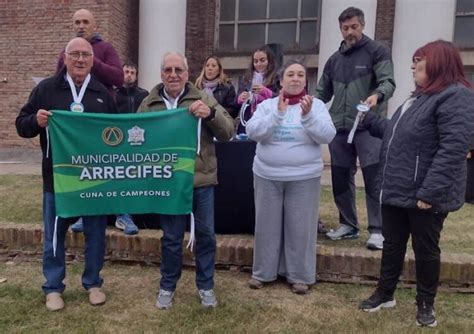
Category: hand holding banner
[127,163]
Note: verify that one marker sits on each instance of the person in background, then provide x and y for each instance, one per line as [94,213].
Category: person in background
[361,70]
[423,172]
[107,67]
[56,93]
[214,82]
[259,83]
[177,92]
[128,98]
[289,130]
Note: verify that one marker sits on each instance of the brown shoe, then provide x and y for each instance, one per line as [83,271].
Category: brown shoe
[54,301]
[255,284]
[300,289]
[96,297]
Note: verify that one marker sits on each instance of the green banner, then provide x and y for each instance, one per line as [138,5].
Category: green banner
[127,163]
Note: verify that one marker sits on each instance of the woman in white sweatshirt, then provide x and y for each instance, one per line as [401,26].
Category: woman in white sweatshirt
[289,130]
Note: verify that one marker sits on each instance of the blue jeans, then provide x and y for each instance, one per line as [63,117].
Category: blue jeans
[54,267]
[173,227]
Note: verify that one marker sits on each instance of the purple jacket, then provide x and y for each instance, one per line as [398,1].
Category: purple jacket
[107,66]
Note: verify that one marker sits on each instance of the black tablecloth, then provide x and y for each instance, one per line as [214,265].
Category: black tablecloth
[234,206]
[234,202]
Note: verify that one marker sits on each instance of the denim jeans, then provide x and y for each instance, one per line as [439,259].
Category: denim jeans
[54,267]
[173,227]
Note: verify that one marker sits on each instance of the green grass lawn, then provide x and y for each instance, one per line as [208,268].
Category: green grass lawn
[131,292]
[21,198]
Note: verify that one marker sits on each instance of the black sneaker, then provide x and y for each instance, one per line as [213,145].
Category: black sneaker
[377,301]
[425,315]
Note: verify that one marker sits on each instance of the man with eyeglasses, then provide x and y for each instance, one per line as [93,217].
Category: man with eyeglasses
[73,88]
[107,67]
[177,92]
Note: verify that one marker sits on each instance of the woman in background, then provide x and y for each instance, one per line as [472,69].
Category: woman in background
[214,82]
[423,172]
[289,130]
[259,83]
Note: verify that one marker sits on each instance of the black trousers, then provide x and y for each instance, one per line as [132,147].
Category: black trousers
[425,228]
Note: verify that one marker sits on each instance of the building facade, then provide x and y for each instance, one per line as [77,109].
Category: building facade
[33,33]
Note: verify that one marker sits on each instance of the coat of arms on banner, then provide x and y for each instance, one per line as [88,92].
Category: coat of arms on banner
[136,136]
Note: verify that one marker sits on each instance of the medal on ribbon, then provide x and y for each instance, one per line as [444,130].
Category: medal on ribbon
[77,106]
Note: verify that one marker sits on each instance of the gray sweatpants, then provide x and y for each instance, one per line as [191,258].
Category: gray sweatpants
[285,230]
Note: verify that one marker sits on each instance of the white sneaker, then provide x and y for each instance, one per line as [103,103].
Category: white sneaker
[375,241]
[343,232]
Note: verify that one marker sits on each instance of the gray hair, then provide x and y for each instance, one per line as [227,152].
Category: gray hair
[174,53]
[68,46]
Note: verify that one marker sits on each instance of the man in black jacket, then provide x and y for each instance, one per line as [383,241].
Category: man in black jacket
[71,89]
[128,98]
[360,70]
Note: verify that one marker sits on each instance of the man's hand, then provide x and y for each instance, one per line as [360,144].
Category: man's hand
[372,100]
[306,104]
[423,205]
[199,109]
[42,117]
[282,102]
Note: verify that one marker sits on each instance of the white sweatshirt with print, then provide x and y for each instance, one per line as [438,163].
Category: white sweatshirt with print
[289,144]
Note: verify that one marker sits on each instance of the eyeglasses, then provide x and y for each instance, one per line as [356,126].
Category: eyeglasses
[76,55]
[169,70]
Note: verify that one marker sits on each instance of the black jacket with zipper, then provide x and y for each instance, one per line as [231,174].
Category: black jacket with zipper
[54,93]
[423,154]
[225,95]
[129,98]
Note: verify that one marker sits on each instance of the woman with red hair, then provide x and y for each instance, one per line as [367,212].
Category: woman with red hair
[423,172]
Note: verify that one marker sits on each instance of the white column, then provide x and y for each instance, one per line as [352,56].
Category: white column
[330,36]
[417,22]
[162,28]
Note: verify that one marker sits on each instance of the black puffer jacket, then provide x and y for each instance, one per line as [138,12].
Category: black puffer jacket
[423,155]
[128,99]
[225,95]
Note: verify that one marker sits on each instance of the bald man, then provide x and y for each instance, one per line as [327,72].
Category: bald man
[73,88]
[107,67]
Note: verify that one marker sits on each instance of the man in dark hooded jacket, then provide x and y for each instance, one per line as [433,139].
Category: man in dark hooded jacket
[129,96]
[360,71]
